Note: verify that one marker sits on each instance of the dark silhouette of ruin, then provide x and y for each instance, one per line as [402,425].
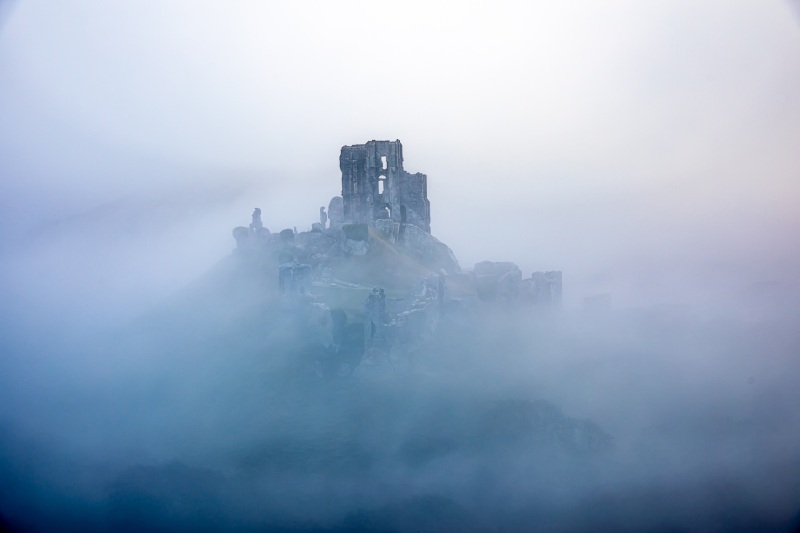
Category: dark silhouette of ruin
[323,217]
[375,186]
[256,224]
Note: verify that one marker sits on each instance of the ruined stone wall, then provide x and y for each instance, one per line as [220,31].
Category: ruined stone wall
[548,287]
[356,193]
[375,186]
[413,205]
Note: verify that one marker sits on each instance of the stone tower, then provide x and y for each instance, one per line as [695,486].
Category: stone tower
[375,186]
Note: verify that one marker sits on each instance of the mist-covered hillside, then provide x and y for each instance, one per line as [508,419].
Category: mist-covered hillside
[208,413]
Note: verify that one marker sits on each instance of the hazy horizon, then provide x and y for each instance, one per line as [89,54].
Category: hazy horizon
[648,151]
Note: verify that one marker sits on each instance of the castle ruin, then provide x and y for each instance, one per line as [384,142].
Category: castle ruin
[375,186]
[377,237]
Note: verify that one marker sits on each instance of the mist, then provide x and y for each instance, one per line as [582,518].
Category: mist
[152,379]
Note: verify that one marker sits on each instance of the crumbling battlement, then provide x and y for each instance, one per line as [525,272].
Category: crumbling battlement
[503,281]
[375,186]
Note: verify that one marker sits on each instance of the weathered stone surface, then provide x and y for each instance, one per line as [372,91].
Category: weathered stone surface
[375,186]
[334,345]
[387,230]
[355,239]
[256,223]
[547,287]
[375,332]
[287,235]
[356,232]
[497,281]
[336,212]
[294,278]
[323,217]
[409,329]
[503,281]
[242,236]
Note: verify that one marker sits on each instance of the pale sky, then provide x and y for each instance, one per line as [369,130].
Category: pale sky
[650,149]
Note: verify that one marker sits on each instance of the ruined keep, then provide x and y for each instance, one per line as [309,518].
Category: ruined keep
[375,186]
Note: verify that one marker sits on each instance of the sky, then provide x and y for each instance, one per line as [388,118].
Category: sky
[647,149]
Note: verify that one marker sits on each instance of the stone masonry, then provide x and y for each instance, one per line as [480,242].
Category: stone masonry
[375,186]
